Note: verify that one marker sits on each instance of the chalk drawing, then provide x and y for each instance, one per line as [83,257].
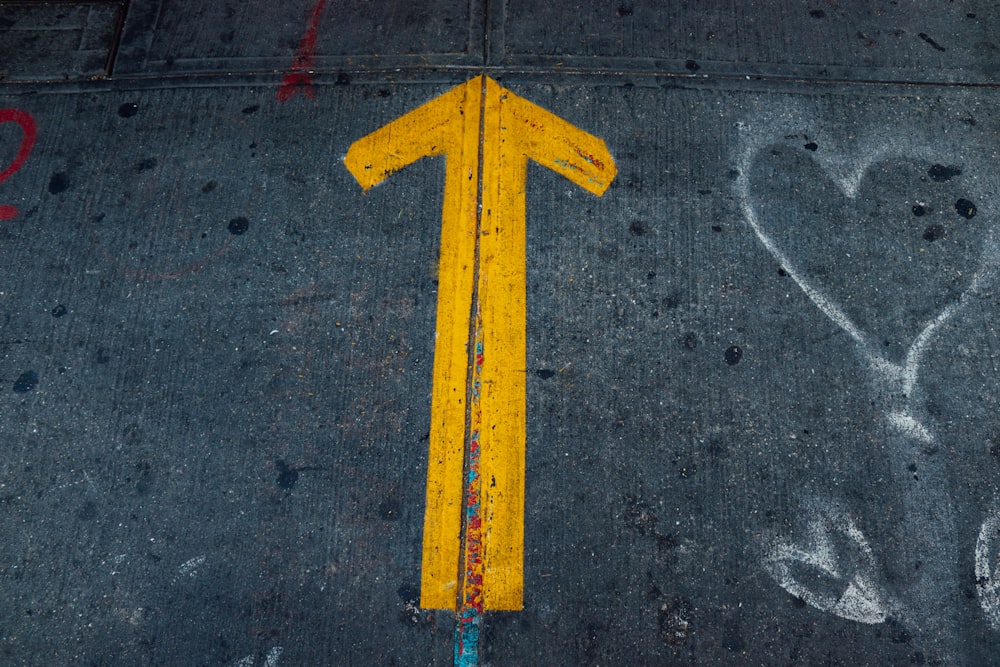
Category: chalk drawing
[270,660]
[831,565]
[29,133]
[893,378]
[117,561]
[988,568]
[189,568]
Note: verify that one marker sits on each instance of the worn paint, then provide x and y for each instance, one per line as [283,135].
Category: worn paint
[447,125]
[471,603]
[481,270]
[299,77]
[29,133]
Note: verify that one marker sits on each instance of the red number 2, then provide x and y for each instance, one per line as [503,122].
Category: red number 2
[30,131]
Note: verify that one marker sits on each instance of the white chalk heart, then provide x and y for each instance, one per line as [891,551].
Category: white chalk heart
[882,245]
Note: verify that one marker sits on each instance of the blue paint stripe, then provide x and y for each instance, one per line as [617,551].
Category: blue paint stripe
[467,638]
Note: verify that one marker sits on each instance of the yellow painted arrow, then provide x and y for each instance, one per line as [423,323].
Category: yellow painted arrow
[477,451]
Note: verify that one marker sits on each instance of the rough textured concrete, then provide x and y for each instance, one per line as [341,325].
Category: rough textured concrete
[761,369]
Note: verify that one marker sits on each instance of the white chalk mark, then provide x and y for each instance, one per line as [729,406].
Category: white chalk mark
[116,562]
[908,425]
[819,568]
[270,660]
[829,572]
[86,479]
[190,567]
[848,175]
[825,304]
[862,603]
[988,568]
[272,656]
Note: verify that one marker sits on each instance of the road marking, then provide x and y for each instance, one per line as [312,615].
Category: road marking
[481,270]
[471,604]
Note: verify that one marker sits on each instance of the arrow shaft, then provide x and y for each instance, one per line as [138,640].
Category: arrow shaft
[501,295]
[483,238]
[481,270]
[443,520]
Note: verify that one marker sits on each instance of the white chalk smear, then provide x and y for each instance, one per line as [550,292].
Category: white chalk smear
[190,567]
[270,660]
[832,568]
[272,656]
[988,568]
[908,425]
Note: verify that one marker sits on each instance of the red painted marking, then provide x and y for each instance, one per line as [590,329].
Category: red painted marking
[471,597]
[299,76]
[30,131]
[591,159]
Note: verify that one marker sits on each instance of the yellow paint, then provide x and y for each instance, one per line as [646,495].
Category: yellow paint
[448,125]
[513,131]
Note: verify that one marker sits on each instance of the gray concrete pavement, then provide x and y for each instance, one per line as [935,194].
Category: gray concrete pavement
[760,371]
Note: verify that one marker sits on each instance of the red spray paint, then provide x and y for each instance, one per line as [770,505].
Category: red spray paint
[299,77]
[30,133]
